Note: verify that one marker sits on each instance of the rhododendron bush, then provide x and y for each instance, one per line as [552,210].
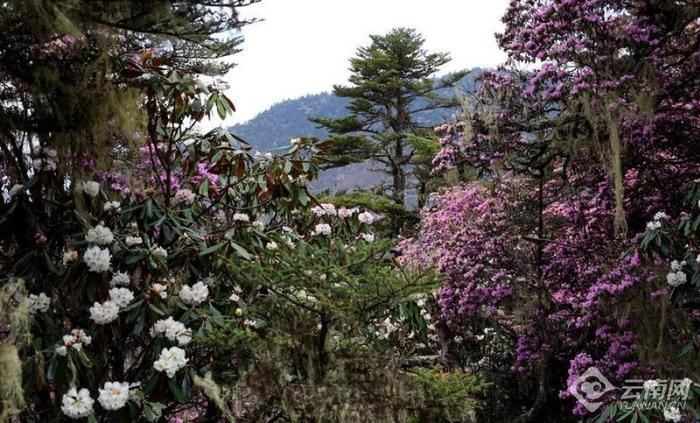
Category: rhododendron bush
[564,251]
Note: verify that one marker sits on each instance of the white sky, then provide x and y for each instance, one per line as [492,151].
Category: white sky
[303,46]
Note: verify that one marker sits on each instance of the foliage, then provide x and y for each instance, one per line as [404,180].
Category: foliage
[195,280]
[448,390]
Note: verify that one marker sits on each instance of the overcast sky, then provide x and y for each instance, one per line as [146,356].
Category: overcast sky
[303,46]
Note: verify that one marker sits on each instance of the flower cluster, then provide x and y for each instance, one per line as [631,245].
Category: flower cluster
[38,303]
[119,279]
[171,360]
[99,235]
[97,259]
[173,330]
[195,294]
[104,313]
[74,340]
[91,188]
[46,159]
[184,196]
[113,395]
[676,276]
[77,404]
[656,223]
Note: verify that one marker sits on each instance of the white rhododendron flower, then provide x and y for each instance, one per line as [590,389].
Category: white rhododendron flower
[38,303]
[325,209]
[272,246]
[676,265]
[195,294]
[133,240]
[48,161]
[170,361]
[70,256]
[74,340]
[119,279]
[173,330]
[262,156]
[121,296]
[345,213]
[158,251]
[367,237]
[676,277]
[653,225]
[295,141]
[111,205]
[241,217]
[77,404]
[184,196]
[388,327]
[661,216]
[90,188]
[160,290]
[16,190]
[104,313]
[322,229]
[100,235]
[97,259]
[259,225]
[656,223]
[366,217]
[114,395]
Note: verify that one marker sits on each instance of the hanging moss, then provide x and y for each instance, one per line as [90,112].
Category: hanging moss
[13,315]
[214,392]
[620,221]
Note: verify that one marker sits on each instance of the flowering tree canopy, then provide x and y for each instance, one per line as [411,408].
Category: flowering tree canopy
[580,154]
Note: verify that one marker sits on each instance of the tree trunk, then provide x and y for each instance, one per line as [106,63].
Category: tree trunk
[397,171]
[399,184]
[422,192]
[538,407]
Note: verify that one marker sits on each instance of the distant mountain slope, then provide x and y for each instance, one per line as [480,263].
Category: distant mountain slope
[288,119]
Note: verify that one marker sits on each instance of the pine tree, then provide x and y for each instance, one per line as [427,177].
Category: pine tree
[392,81]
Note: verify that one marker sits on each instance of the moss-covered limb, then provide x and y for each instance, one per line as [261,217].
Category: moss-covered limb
[215,392]
[14,329]
[615,153]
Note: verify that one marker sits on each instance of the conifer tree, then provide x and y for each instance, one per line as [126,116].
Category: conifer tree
[392,81]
